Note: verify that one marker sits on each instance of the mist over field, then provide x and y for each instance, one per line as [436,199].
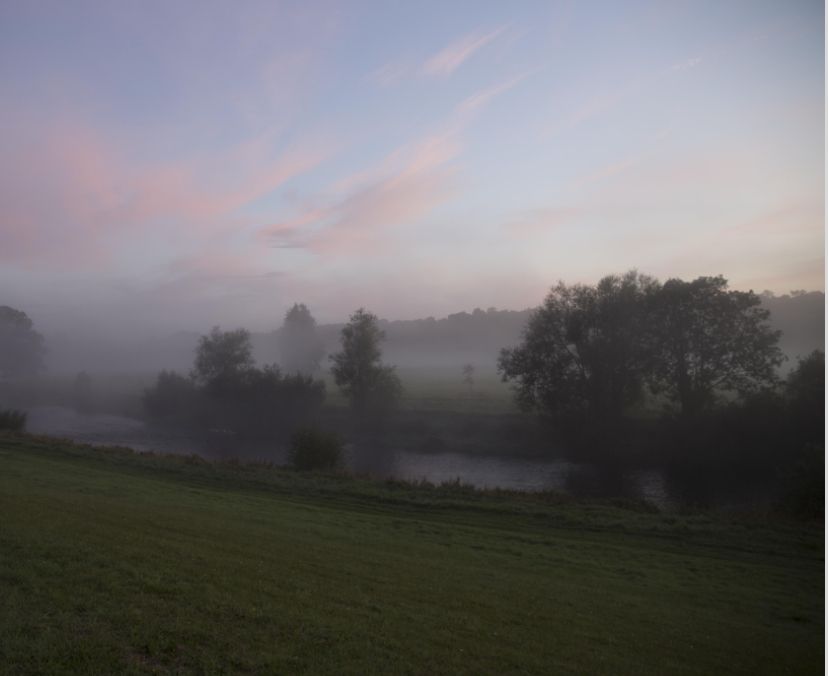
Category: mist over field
[437,344]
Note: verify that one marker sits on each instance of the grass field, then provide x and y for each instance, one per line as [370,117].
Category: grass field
[117,562]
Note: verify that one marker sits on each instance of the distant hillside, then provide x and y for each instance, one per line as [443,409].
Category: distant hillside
[478,336]
[801,318]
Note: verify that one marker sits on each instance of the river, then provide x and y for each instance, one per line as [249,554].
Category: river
[483,471]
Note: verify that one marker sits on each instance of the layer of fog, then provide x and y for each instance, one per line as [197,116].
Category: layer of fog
[429,344]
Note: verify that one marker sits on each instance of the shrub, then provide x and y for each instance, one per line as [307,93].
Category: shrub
[315,450]
[14,421]
[173,397]
[804,495]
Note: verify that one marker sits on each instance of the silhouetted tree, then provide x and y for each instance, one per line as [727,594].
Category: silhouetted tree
[358,369]
[21,347]
[300,349]
[584,355]
[222,356]
[468,376]
[707,340]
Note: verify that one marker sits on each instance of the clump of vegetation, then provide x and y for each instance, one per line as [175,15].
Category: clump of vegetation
[173,397]
[225,390]
[14,421]
[315,450]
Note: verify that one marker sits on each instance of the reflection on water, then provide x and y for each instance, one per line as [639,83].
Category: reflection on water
[480,471]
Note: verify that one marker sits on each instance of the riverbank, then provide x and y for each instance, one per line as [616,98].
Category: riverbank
[113,561]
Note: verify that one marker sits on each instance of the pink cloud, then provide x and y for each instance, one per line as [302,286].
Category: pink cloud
[404,187]
[407,185]
[484,97]
[70,197]
[449,59]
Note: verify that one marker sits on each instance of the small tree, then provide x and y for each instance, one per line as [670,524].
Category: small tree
[300,349]
[21,347]
[222,357]
[468,376]
[707,340]
[358,370]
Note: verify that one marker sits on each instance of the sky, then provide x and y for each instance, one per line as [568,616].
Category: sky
[175,165]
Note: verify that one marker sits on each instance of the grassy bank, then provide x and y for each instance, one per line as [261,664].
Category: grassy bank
[112,561]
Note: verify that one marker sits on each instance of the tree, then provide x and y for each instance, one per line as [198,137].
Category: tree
[21,347]
[222,357]
[583,357]
[300,349]
[358,369]
[468,376]
[709,340]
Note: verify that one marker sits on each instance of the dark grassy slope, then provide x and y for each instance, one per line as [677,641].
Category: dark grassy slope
[112,562]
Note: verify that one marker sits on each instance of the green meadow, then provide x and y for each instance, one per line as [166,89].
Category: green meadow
[118,562]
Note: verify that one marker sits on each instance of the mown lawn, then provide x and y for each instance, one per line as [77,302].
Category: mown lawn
[116,562]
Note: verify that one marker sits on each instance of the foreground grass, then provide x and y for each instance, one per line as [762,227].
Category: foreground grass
[116,562]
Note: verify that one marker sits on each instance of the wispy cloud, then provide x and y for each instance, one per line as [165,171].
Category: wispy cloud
[687,64]
[389,74]
[403,187]
[408,184]
[449,59]
[485,96]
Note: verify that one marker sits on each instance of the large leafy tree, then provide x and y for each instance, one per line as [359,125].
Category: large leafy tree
[358,369]
[710,340]
[21,347]
[584,354]
[300,349]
